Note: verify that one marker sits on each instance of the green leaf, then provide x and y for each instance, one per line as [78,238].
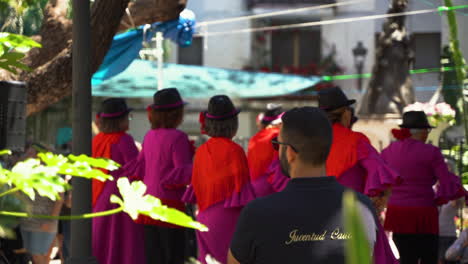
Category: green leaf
[6,232]
[357,248]
[31,176]
[9,203]
[81,166]
[12,49]
[11,60]
[135,202]
[5,152]
[3,49]
[15,41]
[101,163]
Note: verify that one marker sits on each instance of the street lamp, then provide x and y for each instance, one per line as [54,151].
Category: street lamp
[359,53]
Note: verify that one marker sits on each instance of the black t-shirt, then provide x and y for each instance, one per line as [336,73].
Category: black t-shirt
[301,224]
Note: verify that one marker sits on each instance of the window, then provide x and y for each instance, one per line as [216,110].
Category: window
[193,54]
[298,48]
[426,50]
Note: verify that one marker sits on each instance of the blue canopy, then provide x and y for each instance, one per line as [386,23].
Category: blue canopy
[140,80]
[126,46]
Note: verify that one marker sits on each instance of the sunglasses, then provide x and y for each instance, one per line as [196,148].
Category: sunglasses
[276,145]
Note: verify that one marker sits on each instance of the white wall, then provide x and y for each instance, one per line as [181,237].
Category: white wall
[139,125]
[226,51]
[345,37]
[423,23]
[430,22]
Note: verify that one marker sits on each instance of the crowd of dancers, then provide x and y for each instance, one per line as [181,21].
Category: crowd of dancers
[315,144]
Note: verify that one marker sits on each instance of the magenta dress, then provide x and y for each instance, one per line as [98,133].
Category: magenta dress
[262,186]
[221,220]
[371,176]
[116,238]
[167,157]
[277,179]
[412,207]
[272,181]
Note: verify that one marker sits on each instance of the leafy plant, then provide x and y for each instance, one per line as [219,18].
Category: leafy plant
[450,89]
[22,16]
[41,176]
[460,159]
[12,50]
[436,113]
[459,61]
[357,247]
[135,202]
[5,152]
[10,203]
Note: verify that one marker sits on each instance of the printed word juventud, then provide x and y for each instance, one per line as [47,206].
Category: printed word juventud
[295,236]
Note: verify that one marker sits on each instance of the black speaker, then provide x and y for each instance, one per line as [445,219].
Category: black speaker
[12,115]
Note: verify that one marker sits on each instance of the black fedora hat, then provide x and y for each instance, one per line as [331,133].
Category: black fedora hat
[113,108]
[221,107]
[167,99]
[333,98]
[415,119]
[273,113]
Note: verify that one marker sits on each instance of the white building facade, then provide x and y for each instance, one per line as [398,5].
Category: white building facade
[302,47]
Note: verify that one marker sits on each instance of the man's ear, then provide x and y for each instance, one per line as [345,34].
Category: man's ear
[291,155]
[346,118]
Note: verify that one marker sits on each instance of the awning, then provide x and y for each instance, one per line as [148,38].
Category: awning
[126,46]
[140,80]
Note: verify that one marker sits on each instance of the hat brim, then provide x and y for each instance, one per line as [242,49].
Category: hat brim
[415,127]
[348,103]
[167,107]
[275,120]
[231,115]
[116,115]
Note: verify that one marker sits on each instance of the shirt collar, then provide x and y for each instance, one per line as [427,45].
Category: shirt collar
[312,182]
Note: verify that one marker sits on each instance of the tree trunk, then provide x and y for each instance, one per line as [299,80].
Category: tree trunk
[51,79]
[161,10]
[390,88]
[55,27]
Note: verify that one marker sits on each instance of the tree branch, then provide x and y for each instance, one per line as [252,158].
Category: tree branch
[51,80]
[161,10]
[105,20]
[55,34]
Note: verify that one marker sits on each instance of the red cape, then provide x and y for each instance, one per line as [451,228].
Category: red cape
[102,148]
[220,169]
[261,153]
[343,154]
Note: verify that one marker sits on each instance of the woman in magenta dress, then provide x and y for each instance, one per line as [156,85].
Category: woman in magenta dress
[261,154]
[220,183]
[116,238]
[355,163]
[165,166]
[412,213]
